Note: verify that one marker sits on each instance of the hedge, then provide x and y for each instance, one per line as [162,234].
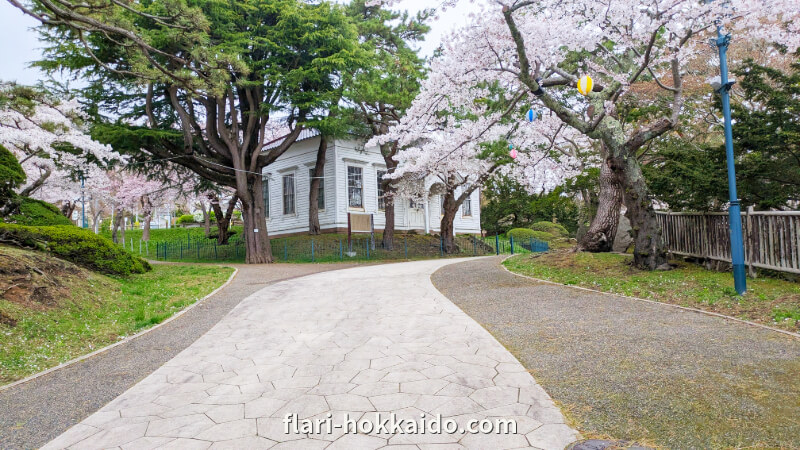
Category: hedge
[525,234]
[186,218]
[77,245]
[34,212]
[556,229]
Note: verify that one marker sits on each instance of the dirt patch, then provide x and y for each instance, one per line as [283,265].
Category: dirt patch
[34,281]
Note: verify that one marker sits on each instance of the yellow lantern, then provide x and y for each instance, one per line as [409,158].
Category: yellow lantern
[585,85]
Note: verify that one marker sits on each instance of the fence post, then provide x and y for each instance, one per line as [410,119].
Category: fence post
[215,251]
[341,256]
[312,250]
[405,244]
[198,249]
[181,249]
[497,243]
[441,246]
[368,246]
[511,243]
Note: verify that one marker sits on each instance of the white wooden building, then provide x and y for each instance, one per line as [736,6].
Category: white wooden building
[350,185]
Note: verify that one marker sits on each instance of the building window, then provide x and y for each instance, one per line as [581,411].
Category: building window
[466,207]
[381,198]
[288,194]
[413,204]
[320,190]
[265,193]
[355,187]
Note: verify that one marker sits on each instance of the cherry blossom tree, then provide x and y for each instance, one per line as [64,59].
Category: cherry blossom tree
[543,47]
[49,138]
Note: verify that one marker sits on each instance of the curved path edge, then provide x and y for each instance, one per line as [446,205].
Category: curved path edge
[41,407]
[126,340]
[656,302]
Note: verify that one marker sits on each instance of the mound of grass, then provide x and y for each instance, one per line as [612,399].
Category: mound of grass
[525,234]
[34,212]
[52,311]
[556,229]
[769,301]
[76,245]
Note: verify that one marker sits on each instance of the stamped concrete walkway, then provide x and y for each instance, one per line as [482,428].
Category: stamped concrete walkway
[363,341]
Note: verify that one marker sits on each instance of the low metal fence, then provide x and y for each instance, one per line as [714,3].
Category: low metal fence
[326,249]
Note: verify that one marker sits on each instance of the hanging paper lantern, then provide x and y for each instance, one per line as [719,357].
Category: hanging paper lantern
[585,85]
[531,115]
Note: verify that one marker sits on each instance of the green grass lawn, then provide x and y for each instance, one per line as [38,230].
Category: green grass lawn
[768,301]
[65,312]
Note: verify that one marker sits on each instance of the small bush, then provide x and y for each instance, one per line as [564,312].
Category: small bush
[555,229]
[525,233]
[33,212]
[77,245]
[184,219]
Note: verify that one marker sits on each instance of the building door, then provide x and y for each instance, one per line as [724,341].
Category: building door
[416,215]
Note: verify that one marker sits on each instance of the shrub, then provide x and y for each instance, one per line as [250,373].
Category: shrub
[77,245]
[555,229]
[11,173]
[33,212]
[186,218]
[525,234]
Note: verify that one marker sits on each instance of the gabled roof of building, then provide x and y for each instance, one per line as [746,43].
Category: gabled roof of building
[307,133]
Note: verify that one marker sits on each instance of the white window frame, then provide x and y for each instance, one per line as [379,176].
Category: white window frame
[293,194]
[381,195]
[466,206]
[321,194]
[361,187]
[265,193]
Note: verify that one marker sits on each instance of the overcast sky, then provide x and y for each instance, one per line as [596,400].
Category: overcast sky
[19,44]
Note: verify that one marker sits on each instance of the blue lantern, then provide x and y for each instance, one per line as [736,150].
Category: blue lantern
[531,115]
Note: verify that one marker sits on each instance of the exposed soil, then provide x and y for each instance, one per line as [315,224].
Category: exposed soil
[34,281]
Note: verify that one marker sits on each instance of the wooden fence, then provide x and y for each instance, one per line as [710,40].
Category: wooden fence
[771,238]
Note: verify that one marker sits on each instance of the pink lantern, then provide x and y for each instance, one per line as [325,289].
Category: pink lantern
[513,153]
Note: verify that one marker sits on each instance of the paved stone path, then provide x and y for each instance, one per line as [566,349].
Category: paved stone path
[33,413]
[361,340]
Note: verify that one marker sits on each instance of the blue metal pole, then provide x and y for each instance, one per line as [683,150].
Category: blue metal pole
[734,212]
[497,243]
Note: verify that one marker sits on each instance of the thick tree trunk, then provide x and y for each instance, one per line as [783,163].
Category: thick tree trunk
[603,228]
[388,229]
[223,218]
[147,214]
[116,226]
[313,193]
[206,218]
[649,252]
[388,151]
[255,223]
[586,214]
[449,210]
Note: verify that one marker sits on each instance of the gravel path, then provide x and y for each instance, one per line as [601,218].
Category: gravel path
[35,412]
[630,369]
